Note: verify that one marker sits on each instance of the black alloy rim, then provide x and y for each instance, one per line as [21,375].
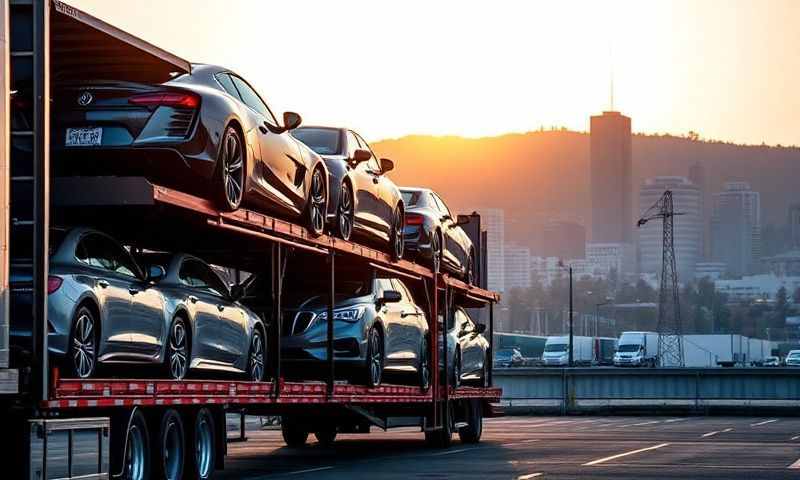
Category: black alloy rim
[375,358]
[83,346]
[436,251]
[317,206]
[398,234]
[178,351]
[346,212]
[232,168]
[257,357]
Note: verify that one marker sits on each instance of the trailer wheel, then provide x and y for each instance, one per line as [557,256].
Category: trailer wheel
[169,448]
[201,445]
[294,434]
[136,447]
[441,438]
[326,437]
[472,432]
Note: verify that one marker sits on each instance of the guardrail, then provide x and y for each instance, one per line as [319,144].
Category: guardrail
[696,390]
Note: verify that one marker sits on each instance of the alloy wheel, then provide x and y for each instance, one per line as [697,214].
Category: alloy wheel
[256,360]
[345,212]
[424,369]
[375,358]
[232,169]
[178,350]
[83,345]
[436,251]
[397,234]
[317,203]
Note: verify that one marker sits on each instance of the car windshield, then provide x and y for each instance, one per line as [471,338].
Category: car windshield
[555,347]
[410,197]
[349,284]
[794,355]
[324,141]
[630,347]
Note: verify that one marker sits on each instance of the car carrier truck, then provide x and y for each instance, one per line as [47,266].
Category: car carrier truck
[141,428]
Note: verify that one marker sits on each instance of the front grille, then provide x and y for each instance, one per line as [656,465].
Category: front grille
[180,122]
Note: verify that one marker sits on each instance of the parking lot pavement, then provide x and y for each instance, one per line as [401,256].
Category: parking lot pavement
[752,448]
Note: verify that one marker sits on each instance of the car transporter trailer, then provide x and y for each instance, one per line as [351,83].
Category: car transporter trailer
[119,427]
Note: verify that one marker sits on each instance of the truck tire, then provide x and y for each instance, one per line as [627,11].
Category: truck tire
[442,437]
[294,434]
[169,447]
[132,441]
[326,436]
[472,432]
[201,448]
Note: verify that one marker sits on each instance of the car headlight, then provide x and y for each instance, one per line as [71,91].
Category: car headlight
[349,314]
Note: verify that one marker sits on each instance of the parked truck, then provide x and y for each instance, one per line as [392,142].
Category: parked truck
[637,349]
[556,351]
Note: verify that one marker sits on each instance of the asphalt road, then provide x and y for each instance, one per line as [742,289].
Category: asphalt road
[752,448]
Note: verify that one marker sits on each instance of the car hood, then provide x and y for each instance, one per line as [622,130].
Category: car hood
[320,302]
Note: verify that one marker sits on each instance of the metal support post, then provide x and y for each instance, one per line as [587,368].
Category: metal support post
[331,300]
[491,342]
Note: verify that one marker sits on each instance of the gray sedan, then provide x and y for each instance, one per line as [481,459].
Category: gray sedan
[103,309]
[467,350]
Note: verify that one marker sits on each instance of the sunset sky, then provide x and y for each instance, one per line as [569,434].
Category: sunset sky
[727,69]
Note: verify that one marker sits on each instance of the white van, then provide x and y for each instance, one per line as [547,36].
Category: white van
[556,351]
[637,349]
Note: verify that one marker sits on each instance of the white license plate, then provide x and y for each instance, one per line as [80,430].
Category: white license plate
[84,137]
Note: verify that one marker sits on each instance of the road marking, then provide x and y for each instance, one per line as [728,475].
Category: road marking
[519,443]
[709,434]
[795,465]
[763,423]
[640,424]
[795,437]
[619,455]
[309,470]
[530,475]
[449,452]
[671,420]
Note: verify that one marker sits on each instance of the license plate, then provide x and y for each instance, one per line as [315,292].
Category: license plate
[84,137]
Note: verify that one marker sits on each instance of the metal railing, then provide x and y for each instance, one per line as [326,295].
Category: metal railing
[699,390]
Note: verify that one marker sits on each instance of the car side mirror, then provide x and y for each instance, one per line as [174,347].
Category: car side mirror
[480,328]
[386,165]
[291,120]
[390,296]
[237,292]
[156,273]
[360,156]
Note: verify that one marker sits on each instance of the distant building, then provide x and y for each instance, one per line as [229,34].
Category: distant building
[794,225]
[605,257]
[687,227]
[493,222]
[757,287]
[611,178]
[563,239]
[736,228]
[785,264]
[712,270]
[517,267]
[697,175]
[545,270]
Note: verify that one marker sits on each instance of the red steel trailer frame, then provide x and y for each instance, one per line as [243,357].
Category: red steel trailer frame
[66,39]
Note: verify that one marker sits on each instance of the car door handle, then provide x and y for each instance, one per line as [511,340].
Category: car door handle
[263,129]
[220,307]
[102,283]
[192,299]
[410,314]
[133,291]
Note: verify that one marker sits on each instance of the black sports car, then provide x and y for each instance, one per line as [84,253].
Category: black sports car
[363,201]
[433,233]
[207,132]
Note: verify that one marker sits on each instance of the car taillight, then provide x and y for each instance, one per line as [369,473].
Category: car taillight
[53,284]
[170,99]
[412,219]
